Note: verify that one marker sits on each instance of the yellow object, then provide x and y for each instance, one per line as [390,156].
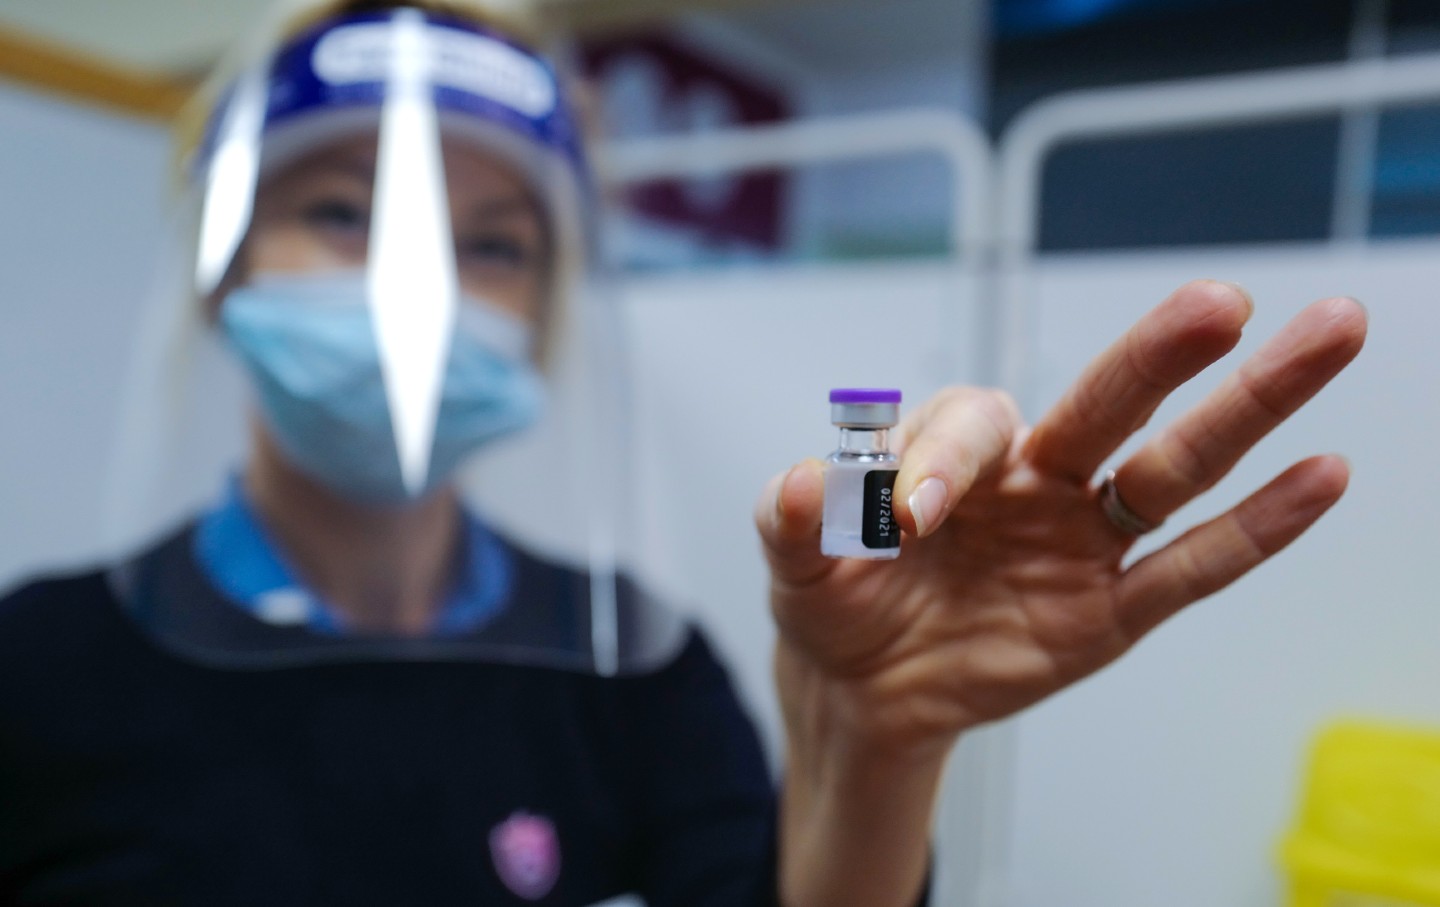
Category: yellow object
[1368,832]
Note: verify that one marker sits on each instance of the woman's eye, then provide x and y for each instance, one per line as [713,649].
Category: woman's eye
[339,215]
[495,250]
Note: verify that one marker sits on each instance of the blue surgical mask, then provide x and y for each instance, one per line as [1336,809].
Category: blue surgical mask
[309,344]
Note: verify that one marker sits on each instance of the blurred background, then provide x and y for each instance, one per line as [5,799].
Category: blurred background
[910,193]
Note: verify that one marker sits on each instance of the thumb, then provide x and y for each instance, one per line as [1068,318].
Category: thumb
[788,519]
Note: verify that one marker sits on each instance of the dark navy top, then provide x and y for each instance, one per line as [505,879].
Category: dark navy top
[133,775]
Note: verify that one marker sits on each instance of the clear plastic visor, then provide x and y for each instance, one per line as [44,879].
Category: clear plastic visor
[388,226]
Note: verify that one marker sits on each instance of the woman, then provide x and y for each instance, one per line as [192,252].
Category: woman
[313,694]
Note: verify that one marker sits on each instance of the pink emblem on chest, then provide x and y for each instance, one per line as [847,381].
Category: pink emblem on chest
[526,852]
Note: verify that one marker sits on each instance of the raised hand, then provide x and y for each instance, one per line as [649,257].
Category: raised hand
[1011,583]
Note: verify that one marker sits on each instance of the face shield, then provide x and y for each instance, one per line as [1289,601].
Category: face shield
[389,223]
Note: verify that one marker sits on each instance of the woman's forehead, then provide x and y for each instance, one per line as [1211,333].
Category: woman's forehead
[474,177]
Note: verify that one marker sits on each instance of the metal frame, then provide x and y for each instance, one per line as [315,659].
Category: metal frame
[1101,113]
[962,144]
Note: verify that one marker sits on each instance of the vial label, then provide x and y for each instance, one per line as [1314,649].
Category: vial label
[859,518]
[877,527]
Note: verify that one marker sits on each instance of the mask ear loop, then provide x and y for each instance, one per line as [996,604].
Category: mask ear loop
[229,200]
[412,283]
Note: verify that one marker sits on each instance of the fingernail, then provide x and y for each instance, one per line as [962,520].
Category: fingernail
[927,504]
[1249,300]
[773,491]
[780,491]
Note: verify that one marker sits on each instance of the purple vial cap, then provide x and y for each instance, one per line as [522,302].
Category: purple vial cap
[864,395]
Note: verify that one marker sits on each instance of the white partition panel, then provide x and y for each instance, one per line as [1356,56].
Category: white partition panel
[1168,778]
[732,378]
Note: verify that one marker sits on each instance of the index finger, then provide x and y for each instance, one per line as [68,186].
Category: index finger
[1119,391]
[959,435]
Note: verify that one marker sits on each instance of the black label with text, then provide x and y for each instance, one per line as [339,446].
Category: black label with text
[878,528]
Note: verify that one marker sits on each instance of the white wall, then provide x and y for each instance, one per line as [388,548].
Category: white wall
[1169,777]
[81,218]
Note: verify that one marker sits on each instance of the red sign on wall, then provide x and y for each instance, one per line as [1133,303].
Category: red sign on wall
[657,85]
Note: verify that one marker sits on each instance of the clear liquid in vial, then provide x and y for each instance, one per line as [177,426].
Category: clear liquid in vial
[849,528]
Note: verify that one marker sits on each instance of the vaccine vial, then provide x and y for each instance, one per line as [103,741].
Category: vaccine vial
[859,516]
